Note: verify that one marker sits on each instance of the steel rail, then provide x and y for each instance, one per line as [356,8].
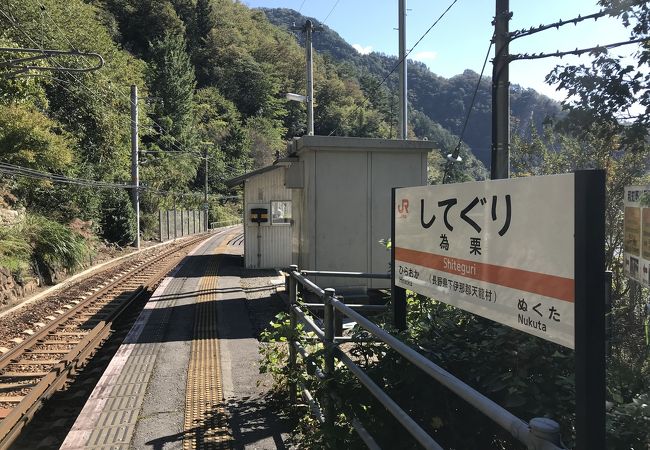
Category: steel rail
[91,340]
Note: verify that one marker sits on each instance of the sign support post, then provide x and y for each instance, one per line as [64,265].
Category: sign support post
[462,245]
[590,309]
[397,293]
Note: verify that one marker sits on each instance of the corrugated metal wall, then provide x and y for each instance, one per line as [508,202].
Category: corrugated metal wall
[275,248]
[345,208]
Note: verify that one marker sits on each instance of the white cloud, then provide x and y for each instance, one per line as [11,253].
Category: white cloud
[425,56]
[362,50]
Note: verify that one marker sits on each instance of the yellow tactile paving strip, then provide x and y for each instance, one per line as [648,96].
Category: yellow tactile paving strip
[206,421]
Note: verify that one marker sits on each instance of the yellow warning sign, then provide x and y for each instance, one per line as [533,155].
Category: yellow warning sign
[645,237]
[632,230]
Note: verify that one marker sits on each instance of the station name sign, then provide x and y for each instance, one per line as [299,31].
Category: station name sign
[501,249]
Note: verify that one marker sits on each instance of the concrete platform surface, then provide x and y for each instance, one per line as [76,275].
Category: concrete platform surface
[141,400]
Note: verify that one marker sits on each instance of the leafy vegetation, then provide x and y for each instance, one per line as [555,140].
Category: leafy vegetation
[530,377]
[444,102]
[212,76]
[50,246]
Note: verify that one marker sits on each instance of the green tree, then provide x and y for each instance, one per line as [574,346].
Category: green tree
[603,146]
[118,218]
[609,90]
[172,83]
[29,138]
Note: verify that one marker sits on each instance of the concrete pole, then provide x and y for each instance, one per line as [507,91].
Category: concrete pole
[168,226]
[135,176]
[403,99]
[175,224]
[309,30]
[500,167]
[205,195]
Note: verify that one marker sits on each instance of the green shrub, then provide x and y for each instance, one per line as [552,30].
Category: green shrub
[628,424]
[226,214]
[15,252]
[55,246]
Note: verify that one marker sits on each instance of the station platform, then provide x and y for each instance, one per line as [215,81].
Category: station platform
[187,374]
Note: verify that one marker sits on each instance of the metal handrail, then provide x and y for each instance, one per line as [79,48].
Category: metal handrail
[538,434]
[331,273]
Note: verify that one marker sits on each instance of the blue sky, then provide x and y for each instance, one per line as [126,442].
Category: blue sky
[461,39]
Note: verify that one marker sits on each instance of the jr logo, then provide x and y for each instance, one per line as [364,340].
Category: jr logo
[403,209]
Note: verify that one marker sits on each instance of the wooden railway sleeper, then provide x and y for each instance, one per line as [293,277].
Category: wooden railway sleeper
[32,340]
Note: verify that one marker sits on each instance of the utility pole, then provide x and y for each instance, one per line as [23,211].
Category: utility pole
[500,167]
[205,194]
[309,30]
[135,177]
[403,100]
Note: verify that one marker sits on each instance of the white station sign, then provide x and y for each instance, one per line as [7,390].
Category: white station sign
[636,241]
[501,249]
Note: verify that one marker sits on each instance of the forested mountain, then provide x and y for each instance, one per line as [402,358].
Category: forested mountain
[211,77]
[444,101]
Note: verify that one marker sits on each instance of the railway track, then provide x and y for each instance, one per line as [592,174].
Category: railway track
[41,364]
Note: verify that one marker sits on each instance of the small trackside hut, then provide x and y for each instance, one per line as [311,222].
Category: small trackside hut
[267,216]
[328,204]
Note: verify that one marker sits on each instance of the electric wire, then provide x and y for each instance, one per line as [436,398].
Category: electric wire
[58,81]
[15,170]
[13,23]
[301,5]
[577,52]
[527,32]
[400,61]
[454,155]
[331,11]
[160,129]
[113,92]
[15,26]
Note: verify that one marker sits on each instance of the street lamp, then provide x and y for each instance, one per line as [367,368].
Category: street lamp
[296,97]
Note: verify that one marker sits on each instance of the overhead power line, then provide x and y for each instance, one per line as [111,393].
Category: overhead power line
[527,32]
[331,11]
[11,169]
[116,93]
[402,59]
[20,64]
[451,158]
[577,52]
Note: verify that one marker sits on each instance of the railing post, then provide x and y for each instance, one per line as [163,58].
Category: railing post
[545,430]
[328,320]
[292,342]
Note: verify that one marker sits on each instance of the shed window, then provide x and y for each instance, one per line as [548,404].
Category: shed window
[281,212]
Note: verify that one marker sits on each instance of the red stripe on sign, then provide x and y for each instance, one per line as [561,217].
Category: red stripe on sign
[537,283]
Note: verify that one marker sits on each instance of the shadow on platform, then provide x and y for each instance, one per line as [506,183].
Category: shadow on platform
[256,422]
